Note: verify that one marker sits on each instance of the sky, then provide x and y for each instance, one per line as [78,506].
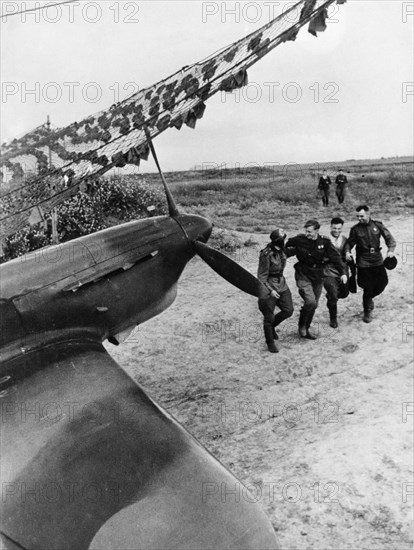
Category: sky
[347,94]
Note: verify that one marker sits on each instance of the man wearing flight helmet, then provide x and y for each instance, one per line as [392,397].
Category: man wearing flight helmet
[272,262]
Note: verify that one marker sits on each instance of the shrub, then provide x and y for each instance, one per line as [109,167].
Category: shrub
[103,204]
[24,241]
[225,240]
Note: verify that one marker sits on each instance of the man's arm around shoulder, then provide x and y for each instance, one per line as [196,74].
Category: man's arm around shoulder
[291,246]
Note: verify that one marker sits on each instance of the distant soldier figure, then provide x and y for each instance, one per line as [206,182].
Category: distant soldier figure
[324,187]
[372,276]
[341,183]
[331,275]
[310,249]
[272,262]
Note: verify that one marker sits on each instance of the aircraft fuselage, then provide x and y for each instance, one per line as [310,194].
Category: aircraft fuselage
[102,284]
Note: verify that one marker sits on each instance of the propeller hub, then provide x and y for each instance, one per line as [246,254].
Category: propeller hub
[198,230]
[195,227]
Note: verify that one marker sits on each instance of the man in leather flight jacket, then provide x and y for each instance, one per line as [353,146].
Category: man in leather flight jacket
[311,249]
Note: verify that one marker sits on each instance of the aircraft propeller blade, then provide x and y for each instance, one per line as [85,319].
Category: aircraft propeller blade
[230,270]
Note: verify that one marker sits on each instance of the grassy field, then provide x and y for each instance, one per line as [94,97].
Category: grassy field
[258,199]
[250,199]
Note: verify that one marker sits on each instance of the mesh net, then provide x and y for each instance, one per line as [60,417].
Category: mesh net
[63,158]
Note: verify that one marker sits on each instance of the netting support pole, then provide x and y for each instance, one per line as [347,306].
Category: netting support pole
[54,214]
[172,207]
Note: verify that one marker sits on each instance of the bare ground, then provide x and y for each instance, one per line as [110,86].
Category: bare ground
[320,432]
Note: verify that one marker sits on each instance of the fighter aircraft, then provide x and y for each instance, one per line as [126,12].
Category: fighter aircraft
[88,459]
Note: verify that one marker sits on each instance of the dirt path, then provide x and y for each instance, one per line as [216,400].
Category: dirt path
[321,432]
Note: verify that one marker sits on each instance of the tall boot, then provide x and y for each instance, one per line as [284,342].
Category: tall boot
[367,315]
[310,335]
[275,334]
[279,318]
[303,315]
[333,313]
[368,304]
[268,332]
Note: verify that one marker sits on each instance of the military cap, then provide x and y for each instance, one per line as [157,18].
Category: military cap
[390,262]
[277,234]
[343,290]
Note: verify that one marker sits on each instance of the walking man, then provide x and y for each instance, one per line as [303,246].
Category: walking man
[310,249]
[341,182]
[331,275]
[371,274]
[324,188]
[272,262]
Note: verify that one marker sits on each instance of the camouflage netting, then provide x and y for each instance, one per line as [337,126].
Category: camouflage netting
[116,137]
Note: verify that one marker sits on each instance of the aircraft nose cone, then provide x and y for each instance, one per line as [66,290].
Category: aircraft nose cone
[196,227]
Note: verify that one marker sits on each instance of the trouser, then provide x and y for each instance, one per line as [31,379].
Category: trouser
[325,197]
[331,285]
[373,281]
[310,290]
[270,320]
[340,193]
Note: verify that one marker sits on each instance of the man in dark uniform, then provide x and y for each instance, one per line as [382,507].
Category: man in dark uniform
[272,262]
[372,276]
[324,187]
[341,183]
[331,275]
[311,249]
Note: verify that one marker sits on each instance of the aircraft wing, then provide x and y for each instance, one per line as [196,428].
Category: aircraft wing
[116,137]
[90,461]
